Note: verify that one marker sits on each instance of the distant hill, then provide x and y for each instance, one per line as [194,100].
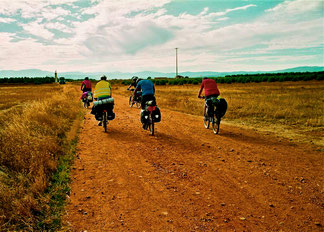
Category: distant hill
[144,74]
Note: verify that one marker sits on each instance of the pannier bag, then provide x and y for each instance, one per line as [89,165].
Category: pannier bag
[156,114]
[111,115]
[144,116]
[90,97]
[221,107]
[104,104]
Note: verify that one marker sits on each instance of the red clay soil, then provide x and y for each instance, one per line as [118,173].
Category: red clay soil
[185,178]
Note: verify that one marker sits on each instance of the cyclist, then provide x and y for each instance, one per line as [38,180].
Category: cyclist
[102,91]
[211,90]
[134,82]
[138,94]
[86,85]
[148,91]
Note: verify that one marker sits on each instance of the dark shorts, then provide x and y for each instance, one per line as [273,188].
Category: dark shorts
[213,95]
[86,90]
[209,102]
[146,98]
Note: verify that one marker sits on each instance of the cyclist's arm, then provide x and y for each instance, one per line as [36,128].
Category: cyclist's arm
[201,89]
[135,91]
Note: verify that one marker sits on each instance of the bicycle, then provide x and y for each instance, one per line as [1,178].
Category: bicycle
[87,99]
[151,114]
[137,100]
[105,107]
[215,110]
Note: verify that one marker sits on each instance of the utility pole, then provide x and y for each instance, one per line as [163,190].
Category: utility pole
[176,62]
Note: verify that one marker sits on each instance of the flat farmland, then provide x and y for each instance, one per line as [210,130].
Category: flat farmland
[293,110]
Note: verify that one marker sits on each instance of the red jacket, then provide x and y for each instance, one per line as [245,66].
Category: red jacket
[210,86]
[86,83]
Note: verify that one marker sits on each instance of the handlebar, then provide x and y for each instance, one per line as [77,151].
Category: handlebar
[131,90]
[202,97]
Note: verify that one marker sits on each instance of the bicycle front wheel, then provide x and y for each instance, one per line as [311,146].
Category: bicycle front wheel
[130,102]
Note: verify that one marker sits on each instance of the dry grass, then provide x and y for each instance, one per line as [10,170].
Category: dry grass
[33,123]
[291,109]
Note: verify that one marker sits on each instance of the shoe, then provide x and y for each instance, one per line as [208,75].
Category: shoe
[144,126]
[100,123]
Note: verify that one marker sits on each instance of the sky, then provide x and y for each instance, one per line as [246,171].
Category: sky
[141,35]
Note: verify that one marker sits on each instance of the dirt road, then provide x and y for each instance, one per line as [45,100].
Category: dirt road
[188,179]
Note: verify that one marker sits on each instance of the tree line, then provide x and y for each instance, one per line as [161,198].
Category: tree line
[27,80]
[242,78]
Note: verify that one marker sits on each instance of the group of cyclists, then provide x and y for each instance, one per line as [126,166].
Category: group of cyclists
[142,87]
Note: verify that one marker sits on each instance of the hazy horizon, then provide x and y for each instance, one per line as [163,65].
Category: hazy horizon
[133,36]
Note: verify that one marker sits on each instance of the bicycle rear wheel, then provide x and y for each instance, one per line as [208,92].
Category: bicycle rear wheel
[215,124]
[104,121]
[151,125]
[85,104]
[206,122]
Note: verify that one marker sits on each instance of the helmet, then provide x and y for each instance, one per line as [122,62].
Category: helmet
[86,78]
[134,78]
[103,78]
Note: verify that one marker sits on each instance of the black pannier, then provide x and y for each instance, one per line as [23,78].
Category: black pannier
[156,114]
[144,116]
[221,107]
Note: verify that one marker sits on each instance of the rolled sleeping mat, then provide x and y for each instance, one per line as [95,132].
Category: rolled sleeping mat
[104,101]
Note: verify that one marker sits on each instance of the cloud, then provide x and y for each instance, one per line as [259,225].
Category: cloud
[39,30]
[34,8]
[59,26]
[297,7]
[7,20]
[142,34]
[51,13]
[218,14]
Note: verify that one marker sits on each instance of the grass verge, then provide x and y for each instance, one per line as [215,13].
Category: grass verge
[34,156]
[58,191]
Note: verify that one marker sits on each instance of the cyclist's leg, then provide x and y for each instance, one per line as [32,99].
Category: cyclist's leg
[143,102]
